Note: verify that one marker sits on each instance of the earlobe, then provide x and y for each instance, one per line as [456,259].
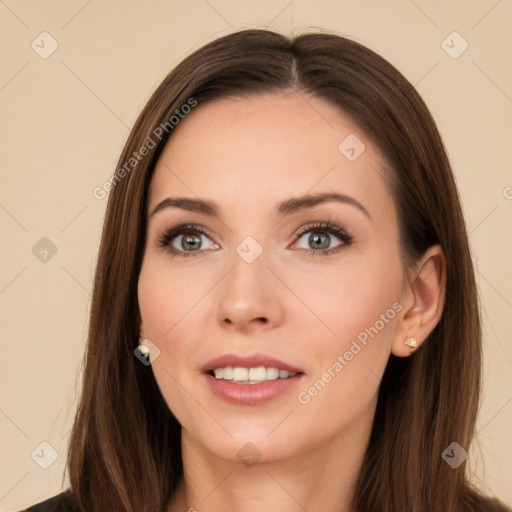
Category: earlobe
[426,297]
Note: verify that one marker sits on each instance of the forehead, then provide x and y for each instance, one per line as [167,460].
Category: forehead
[263,148]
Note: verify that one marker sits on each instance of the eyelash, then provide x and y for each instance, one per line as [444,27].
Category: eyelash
[167,237]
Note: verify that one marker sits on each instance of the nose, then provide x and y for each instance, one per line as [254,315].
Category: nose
[249,296]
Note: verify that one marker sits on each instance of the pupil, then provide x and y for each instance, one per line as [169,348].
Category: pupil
[191,241]
[315,238]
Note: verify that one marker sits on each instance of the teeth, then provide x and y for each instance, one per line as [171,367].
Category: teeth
[250,375]
[240,374]
[272,373]
[259,373]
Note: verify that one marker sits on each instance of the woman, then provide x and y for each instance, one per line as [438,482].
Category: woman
[284,312]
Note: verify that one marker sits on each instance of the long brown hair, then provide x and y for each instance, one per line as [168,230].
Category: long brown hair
[124,452]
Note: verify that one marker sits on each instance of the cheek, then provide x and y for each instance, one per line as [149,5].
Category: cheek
[353,297]
[165,303]
[171,305]
[166,299]
[359,307]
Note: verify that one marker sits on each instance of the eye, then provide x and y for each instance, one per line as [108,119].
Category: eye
[184,240]
[187,239]
[320,238]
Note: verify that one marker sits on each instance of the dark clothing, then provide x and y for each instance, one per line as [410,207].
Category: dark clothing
[63,502]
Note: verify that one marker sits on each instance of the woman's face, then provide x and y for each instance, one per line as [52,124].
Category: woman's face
[252,290]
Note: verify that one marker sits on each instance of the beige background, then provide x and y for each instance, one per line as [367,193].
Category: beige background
[64,120]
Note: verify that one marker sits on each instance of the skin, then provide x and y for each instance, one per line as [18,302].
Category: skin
[247,155]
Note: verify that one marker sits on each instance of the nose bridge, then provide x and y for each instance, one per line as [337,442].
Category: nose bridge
[248,293]
[248,266]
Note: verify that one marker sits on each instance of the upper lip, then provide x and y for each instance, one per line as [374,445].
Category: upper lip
[247,361]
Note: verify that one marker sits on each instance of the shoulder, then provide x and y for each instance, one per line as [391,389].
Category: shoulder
[63,502]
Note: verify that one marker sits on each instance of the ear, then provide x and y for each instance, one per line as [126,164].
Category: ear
[423,299]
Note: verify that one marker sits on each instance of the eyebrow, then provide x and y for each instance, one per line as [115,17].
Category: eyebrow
[286,207]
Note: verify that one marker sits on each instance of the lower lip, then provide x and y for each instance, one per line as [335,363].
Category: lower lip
[250,394]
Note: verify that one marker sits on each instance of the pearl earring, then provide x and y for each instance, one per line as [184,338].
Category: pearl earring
[143,349]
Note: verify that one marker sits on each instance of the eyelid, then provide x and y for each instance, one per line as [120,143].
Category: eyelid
[320,224]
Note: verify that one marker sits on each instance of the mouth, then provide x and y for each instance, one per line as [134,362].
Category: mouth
[250,380]
[249,368]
